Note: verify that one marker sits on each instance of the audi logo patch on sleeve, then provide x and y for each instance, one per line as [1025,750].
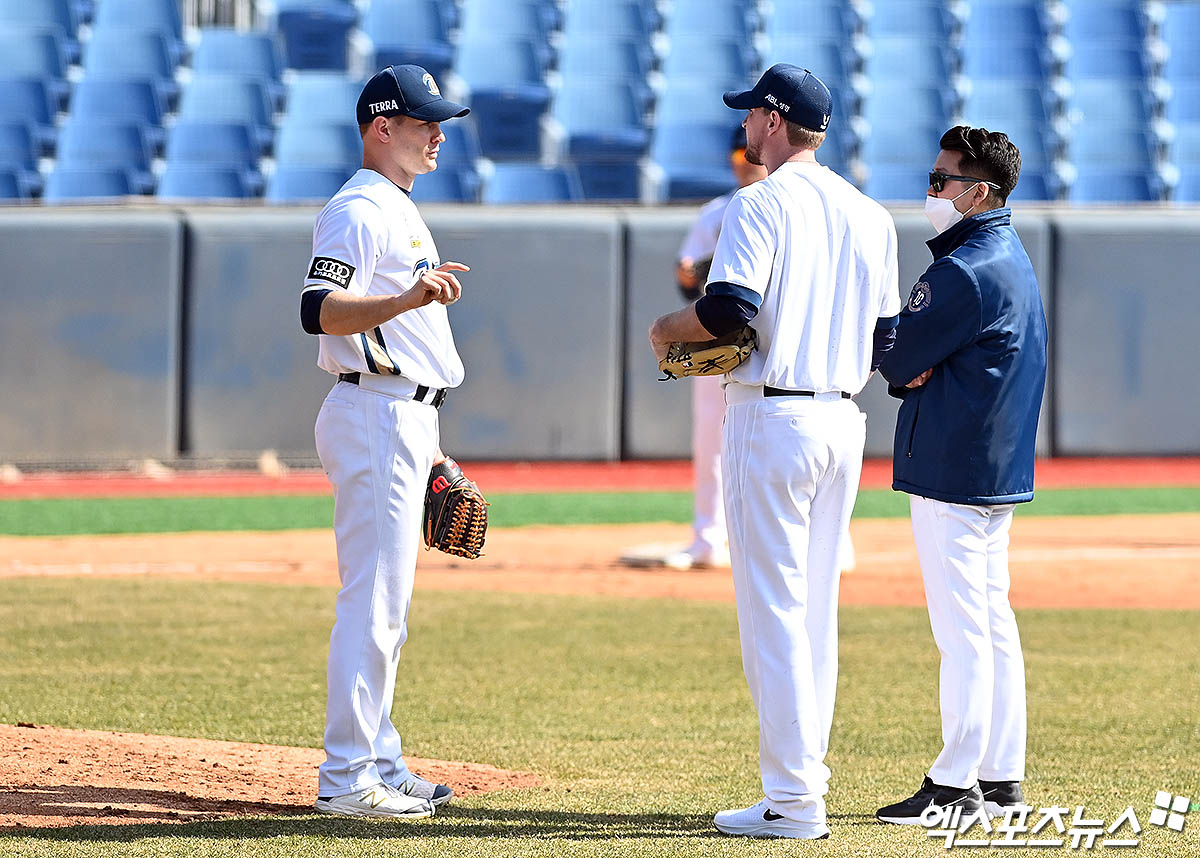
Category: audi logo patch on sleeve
[333,270]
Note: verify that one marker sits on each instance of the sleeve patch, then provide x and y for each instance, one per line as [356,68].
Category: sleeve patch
[921,297]
[331,270]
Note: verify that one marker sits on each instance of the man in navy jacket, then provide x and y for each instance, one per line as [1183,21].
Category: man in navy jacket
[969,363]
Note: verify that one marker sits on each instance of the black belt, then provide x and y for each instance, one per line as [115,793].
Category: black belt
[439,394]
[778,391]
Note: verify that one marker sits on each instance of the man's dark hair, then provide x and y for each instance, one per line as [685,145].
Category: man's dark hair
[987,154]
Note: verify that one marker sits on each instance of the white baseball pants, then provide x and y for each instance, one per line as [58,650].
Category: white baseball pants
[791,468]
[964,562]
[377,450]
[709,535]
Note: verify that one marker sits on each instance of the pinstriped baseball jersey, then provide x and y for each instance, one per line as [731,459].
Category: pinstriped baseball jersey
[370,240]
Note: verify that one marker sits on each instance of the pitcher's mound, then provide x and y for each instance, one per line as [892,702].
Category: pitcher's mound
[52,777]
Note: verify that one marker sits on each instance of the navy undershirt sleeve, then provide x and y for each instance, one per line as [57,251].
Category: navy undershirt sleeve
[310,310]
[885,338]
[726,307]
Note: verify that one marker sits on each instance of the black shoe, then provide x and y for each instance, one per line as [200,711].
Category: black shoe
[997,795]
[908,812]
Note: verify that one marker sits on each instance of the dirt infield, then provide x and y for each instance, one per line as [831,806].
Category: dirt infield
[51,777]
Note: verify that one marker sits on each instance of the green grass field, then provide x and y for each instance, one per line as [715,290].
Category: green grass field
[52,517]
[634,713]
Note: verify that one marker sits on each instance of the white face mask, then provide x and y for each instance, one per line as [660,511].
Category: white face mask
[942,213]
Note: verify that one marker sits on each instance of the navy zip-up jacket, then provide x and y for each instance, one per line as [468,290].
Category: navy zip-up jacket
[967,435]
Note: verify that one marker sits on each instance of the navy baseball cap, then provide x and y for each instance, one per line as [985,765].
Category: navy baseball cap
[405,91]
[798,94]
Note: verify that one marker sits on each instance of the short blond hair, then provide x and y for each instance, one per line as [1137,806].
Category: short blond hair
[803,137]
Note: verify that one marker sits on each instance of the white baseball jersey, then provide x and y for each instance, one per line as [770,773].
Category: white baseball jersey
[370,240]
[701,240]
[822,256]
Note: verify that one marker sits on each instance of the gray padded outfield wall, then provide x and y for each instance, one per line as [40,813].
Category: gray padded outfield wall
[89,334]
[1128,312]
[252,379]
[538,329]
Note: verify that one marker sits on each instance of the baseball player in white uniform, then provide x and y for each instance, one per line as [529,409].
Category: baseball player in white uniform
[375,294]
[710,541]
[811,262]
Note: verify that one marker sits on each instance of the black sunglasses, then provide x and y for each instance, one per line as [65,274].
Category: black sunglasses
[937,181]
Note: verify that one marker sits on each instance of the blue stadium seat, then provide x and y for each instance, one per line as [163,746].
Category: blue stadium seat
[1014,24]
[532,183]
[195,182]
[830,20]
[710,18]
[507,95]
[914,59]
[1107,61]
[447,185]
[117,52]
[322,97]
[336,145]
[1002,101]
[995,60]
[19,149]
[12,188]
[616,18]
[28,100]
[1185,148]
[685,100]
[1181,32]
[115,100]
[414,32]
[461,146]
[929,20]
[216,144]
[249,54]
[914,146]
[1188,189]
[1092,22]
[694,159]
[525,19]
[719,61]
[161,15]
[1132,148]
[87,145]
[894,100]
[297,183]
[66,185]
[601,121]
[1032,186]
[833,62]
[35,53]
[901,183]
[610,181]
[1117,104]
[1116,184]
[1184,105]
[58,16]
[316,33]
[229,98]
[626,59]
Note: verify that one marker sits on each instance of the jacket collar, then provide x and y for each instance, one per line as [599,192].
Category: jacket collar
[956,236]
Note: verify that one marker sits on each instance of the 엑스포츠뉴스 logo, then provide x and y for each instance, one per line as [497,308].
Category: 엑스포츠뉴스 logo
[331,270]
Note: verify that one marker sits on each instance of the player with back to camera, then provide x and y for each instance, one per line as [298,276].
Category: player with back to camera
[710,542]
[376,294]
[810,263]
[969,365]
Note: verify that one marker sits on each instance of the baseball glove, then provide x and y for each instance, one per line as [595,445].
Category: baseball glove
[715,357]
[455,512]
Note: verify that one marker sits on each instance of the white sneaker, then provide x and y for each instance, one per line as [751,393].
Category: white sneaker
[693,559]
[760,821]
[417,787]
[380,801]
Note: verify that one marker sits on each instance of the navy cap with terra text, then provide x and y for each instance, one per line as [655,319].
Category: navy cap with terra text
[798,94]
[405,91]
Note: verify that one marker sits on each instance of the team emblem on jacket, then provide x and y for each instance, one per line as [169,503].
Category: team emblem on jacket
[920,298]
